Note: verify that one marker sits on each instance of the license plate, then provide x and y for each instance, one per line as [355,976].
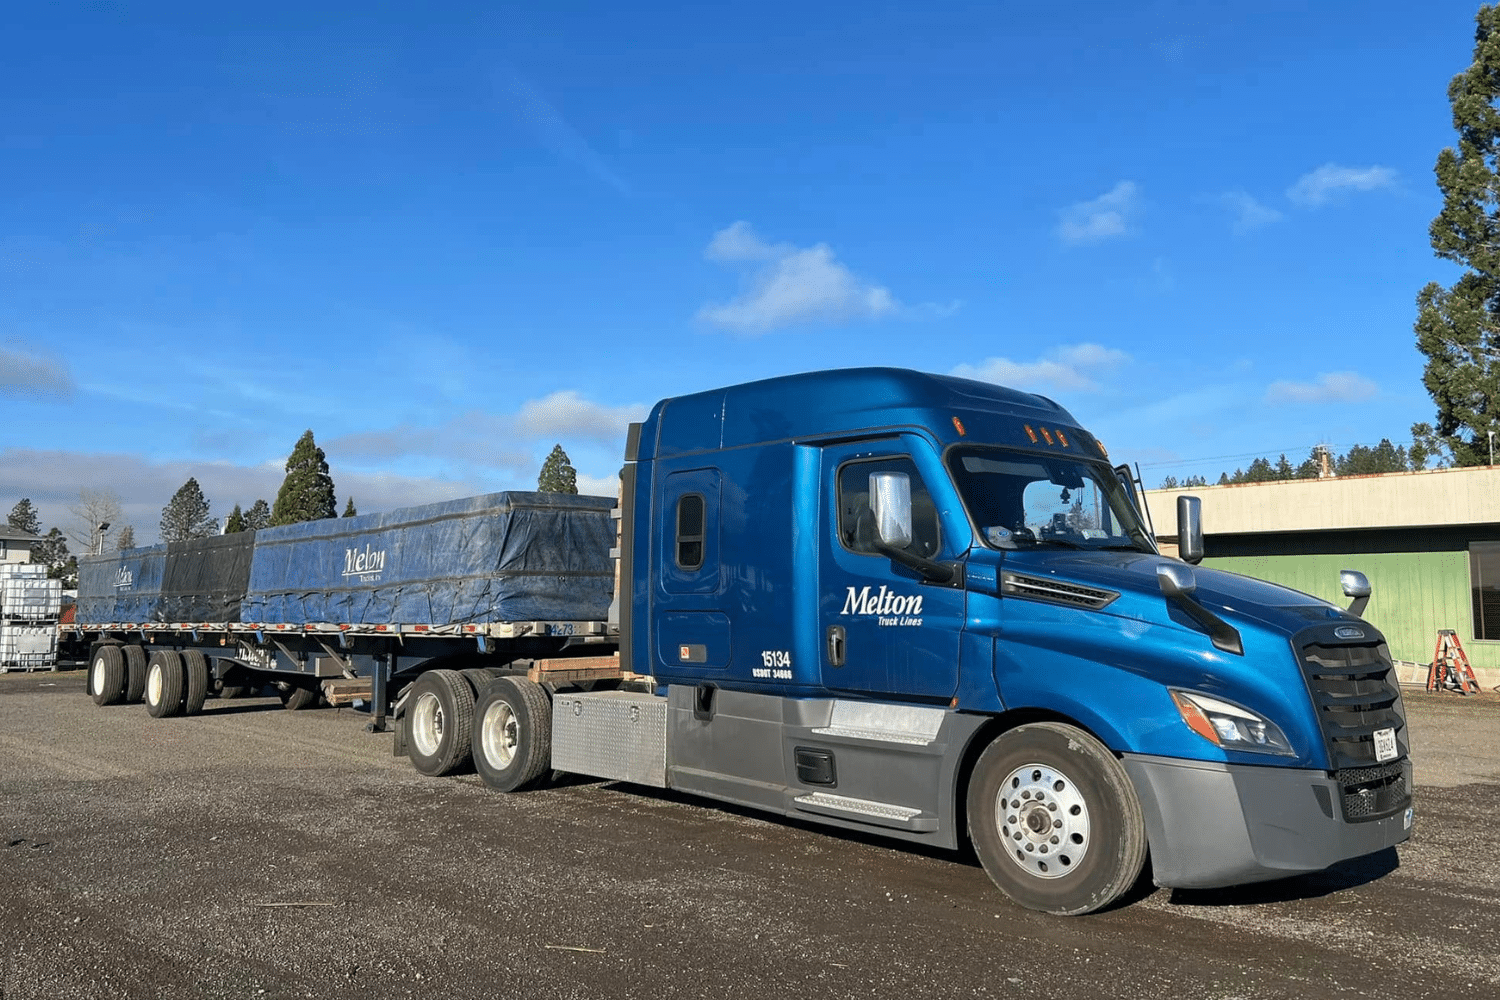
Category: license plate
[1385,744]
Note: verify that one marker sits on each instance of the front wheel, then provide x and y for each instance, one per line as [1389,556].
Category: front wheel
[1055,820]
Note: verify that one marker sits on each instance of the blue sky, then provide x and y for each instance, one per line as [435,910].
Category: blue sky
[446,237]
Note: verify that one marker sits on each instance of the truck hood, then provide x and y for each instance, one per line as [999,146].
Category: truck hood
[1133,574]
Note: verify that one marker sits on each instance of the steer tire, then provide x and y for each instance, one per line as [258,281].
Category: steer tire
[195,674]
[135,674]
[439,722]
[1055,820]
[164,684]
[107,676]
[513,735]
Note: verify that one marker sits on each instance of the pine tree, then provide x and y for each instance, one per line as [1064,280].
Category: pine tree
[1458,328]
[306,493]
[1284,468]
[126,538]
[52,551]
[235,523]
[258,516]
[23,517]
[349,510]
[186,516]
[1169,483]
[558,474]
[1193,482]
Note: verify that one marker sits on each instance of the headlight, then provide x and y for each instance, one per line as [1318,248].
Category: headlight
[1227,725]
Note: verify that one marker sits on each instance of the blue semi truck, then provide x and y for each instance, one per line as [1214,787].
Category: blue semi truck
[884,601]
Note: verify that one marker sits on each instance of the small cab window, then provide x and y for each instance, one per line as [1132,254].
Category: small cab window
[690,531]
[857,521]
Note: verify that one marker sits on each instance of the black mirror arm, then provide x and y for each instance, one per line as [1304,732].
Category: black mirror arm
[1224,635]
[931,570]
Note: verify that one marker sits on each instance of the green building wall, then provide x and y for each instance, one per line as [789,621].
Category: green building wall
[1412,594]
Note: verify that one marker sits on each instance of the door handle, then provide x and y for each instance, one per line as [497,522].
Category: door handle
[836,645]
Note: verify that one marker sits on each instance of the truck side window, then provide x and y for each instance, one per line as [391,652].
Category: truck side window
[690,531]
[857,522]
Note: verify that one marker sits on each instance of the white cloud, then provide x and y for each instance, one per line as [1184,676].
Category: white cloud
[1319,186]
[1102,218]
[33,376]
[1073,368]
[568,414]
[1248,213]
[1330,387]
[787,284]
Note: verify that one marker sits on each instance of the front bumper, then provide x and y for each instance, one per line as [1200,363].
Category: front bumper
[1212,825]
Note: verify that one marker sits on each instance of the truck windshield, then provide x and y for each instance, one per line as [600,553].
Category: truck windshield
[1020,499]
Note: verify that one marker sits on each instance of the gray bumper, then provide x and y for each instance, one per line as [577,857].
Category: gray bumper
[1213,825]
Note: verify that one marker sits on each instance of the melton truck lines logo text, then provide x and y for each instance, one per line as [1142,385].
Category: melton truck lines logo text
[889,607]
[364,562]
[124,579]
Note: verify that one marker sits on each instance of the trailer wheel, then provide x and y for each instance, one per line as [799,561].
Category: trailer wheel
[195,674]
[164,687]
[513,734]
[296,698]
[1055,820]
[479,678]
[438,722]
[135,674]
[107,676]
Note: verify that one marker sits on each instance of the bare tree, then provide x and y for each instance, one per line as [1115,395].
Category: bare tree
[95,507]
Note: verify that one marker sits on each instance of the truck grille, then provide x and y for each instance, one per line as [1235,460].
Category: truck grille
[1355,690]
[1373,791]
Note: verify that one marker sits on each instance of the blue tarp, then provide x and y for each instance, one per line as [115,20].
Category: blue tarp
[122,587]
[498,557]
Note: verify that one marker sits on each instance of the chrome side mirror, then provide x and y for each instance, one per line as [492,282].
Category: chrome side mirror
[1356,585]
[1190,530]
[890,503]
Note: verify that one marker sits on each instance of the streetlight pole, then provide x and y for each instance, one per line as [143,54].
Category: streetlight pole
[99,538]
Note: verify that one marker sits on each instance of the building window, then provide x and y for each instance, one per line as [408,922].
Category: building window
[1484,578]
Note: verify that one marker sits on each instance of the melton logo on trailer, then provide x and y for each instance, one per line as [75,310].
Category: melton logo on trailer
[124,578]
[364,563]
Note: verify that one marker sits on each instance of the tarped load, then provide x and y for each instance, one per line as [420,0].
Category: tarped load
[498,557]
[123,587]
[206,580]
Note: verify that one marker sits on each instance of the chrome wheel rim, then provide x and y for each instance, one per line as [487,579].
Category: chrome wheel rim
[427,724]
[500,735]
[1043,820]
[96,677]
[153,684]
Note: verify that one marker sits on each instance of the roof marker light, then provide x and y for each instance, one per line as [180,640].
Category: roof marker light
[1030,433]
[1046,435]
[1061,437]
[958,425]
[1102,450]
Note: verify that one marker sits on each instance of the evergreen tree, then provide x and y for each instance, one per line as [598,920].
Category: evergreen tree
[349,510]
[1458,328]
[126,538]
[1260,471]
[186,515]
[1284,468]
[235,523]
[52,551]
[1169,483]
[1426,447]
[306,493]
[1193,482]
[258,516]
[23,517]
[558,474]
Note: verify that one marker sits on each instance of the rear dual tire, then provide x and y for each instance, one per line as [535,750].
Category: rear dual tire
[512,740]
[108,678]
[165,694]
[439,722]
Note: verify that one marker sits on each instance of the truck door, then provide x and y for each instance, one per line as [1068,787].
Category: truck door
[885,631]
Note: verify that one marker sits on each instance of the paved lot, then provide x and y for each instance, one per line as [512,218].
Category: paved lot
[253,852]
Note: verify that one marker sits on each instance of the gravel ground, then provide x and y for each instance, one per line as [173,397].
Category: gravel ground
[253,852]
